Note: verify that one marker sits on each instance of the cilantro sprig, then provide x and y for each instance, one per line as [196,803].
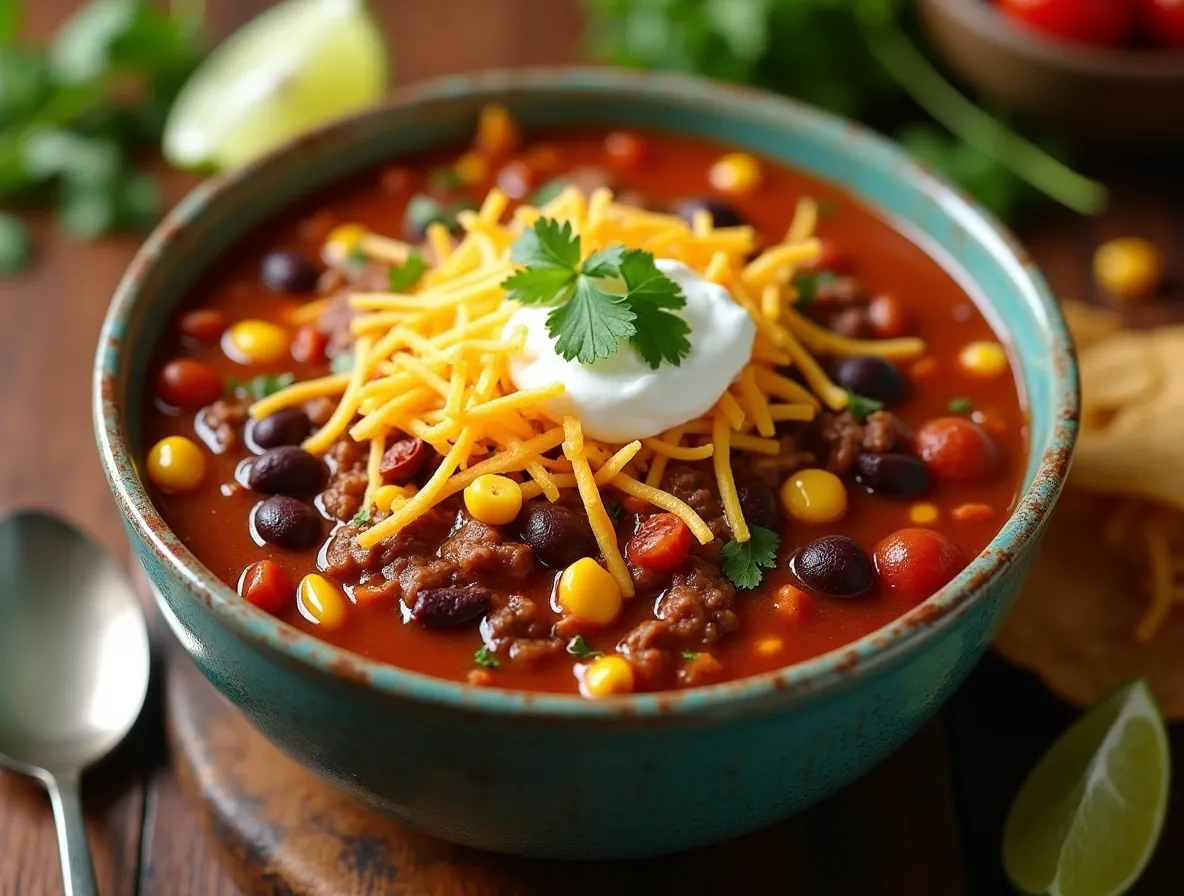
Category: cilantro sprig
[402,277]
[486,658]
[743,564]
[578,647]
[615,295]
[261,386]
[861,407]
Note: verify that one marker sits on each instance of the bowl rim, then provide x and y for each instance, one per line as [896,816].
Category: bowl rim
[789,685]
[1142,63]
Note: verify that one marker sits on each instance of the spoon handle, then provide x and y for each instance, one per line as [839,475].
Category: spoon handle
[78,873]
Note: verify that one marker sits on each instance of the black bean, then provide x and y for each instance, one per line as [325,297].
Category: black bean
[723,214]
[835,566]
[892,475]
[758,503]
[286,270]
[287,470]
[287,522]
[871,376]
[450,606]
[287,426]
[558,535]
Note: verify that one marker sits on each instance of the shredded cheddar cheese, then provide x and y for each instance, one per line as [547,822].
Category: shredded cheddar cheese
[433,362]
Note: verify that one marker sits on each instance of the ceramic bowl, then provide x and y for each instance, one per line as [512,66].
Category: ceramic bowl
[552,775]
[1120,98]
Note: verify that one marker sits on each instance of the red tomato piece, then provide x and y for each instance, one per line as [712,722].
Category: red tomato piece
[954,448]
[1102,23]
[661,543]
[188,384]
[831,257]
[308,345]
[887,317]
[202,324]
[1163,21]
[266,585]
[794,604]
[914,563]
[626,151]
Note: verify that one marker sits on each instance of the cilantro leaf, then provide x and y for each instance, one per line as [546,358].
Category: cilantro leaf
[261,386]
[547,192]
[14,244]
[605,263]
[401,277]
[446,179]
[742,563]
[486,658]
[590,324]
[807,284]
[578,647]
[861,407]
[357,259]
[614,510]
[343,362]
[960,405]
[362,517]
[549,244]
[539,286]
[661,335]
[691,655]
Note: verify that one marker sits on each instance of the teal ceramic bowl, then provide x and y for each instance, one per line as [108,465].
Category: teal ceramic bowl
[559,776]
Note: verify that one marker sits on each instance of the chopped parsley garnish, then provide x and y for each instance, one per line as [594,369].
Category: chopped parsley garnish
[343,362]
[486,658]
[362,517]
[742,563]
[591,314]
[690,655]
[578,647]
[807,284]
[960,405]
[402,277]
[423,211]
[614,510]
[861,407]
[261,386]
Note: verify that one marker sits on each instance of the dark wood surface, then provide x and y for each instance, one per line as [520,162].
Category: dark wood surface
[928,821]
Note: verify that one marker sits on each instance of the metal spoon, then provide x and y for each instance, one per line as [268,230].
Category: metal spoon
[73,667]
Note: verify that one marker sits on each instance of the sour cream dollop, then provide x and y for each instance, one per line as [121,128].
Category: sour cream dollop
[621,398]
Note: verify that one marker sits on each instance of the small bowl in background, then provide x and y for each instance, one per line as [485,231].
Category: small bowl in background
[1121,98]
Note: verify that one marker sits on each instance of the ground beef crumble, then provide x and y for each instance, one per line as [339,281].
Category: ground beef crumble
[348,480]
[220,424]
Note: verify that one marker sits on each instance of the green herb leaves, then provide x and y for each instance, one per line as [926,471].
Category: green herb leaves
[261,386]
[579,648]
[861,407]
[402,277]
[362,517]
[616,294]
[743,563]
[486,658]
[961,405]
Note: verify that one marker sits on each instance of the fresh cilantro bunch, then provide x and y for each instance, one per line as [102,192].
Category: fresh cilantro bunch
[75,112]
[744,563]
[615,294]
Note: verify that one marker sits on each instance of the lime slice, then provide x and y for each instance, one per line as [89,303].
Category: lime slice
[1088,816]
[296,66]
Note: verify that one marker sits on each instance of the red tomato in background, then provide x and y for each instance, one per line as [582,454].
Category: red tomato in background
[1103,23]
[1163,21]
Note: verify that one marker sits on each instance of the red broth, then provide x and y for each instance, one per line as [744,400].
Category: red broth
[213,520]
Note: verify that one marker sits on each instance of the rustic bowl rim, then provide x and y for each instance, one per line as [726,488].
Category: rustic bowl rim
[991,26]
[828,673]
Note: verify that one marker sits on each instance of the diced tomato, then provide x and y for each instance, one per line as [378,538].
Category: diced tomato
[202,324]
[308,345]
[188,384]
[972,513]
[626,151]
[793,603]
[1163,21]
[661,543]
[266,585]
[831,257]
[1103,23]
[914,563]
[954,448]
[887,317]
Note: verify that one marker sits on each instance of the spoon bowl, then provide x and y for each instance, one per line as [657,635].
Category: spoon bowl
[74,664]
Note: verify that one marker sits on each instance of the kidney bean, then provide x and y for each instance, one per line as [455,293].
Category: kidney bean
[287,523]
[403,460]
[287,426]
[558,535]
[871,376]
[758,503]
[286,270]
[450,606]
[893,475]
[834,566]
[723,214]
[287,470]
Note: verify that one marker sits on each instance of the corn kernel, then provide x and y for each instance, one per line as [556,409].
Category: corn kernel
[770,646]
[472,168]
[985,359]
[736,172]
[255,342]
[923,513]
[341,242]
[176,464]
[1129,268]
[497,134]
[814,496]
[607,677]
[389,496]
[494,500]
[588,592]
[321,602]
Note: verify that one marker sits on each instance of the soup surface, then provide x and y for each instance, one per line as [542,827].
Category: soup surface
[873,433]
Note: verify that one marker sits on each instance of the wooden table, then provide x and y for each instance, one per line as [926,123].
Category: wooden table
[958,775]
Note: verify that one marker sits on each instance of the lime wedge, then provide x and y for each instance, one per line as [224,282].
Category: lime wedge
[296,66]
[1087,818]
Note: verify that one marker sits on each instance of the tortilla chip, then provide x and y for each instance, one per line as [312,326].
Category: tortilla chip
[1089,323]
[1077,621]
